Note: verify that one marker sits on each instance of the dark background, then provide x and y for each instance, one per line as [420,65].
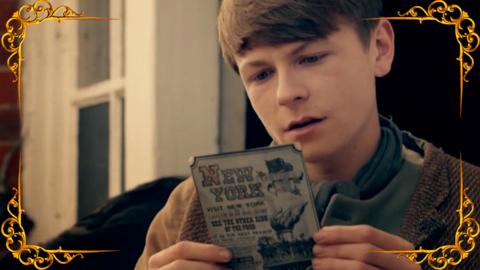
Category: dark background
[422,93]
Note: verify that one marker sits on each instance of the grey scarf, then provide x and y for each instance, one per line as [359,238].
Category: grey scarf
[374,175]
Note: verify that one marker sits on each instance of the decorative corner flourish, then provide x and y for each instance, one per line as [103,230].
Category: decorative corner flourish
[465,235]
[452,15]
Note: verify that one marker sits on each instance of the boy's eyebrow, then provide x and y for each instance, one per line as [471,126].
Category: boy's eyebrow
[300,48]
[252,64]
[297,50]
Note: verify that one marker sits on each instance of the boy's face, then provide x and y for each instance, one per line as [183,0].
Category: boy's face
[321,93]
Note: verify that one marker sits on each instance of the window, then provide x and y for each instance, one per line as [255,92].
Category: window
[74,90]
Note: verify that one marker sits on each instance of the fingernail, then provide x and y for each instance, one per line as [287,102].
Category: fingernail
[225,255]
[319,236]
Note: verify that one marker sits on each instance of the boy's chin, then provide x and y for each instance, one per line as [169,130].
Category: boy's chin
[314,152]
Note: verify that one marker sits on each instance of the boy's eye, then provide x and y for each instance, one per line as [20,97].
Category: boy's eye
[310,59]
[262,75]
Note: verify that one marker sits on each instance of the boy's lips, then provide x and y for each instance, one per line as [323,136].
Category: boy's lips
[303,122]
[303,128]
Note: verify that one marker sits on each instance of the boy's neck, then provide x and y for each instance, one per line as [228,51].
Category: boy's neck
[345,164]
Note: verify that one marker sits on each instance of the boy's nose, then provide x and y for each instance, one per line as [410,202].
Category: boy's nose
[290,89]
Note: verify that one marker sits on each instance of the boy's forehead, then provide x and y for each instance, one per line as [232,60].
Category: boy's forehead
[291,48]
[254,56]
[259,55]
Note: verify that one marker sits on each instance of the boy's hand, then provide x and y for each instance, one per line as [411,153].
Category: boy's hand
[348,247]
[187,255]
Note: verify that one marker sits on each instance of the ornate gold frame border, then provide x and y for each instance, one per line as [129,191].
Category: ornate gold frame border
[42,10]
[469,228]
[12,41]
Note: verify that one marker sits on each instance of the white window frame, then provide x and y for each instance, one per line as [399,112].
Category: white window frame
[51,112]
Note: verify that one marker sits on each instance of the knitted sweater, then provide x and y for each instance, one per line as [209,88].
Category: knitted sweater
[430,220]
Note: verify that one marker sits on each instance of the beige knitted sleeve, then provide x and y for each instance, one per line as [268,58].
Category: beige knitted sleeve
[164,229]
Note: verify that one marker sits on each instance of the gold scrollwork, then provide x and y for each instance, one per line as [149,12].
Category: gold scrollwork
[453,15]
[446,14]
[37,256]
[12,40]
[467,231]
[469,228]
[12,229]
[43,10]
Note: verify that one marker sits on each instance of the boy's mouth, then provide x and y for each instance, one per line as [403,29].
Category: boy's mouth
[303,123]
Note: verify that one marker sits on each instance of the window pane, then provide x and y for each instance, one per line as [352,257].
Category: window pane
[93,158]
[94,43]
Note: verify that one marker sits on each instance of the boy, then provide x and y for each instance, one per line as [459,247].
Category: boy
[309,69]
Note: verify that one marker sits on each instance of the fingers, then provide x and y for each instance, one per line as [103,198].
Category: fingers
[191,265]
[358,252]
[354,245]
[361,234]
[362,253]
[189,251]
[340,264]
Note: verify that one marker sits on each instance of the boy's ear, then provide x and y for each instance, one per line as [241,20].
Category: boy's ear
[383,45]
